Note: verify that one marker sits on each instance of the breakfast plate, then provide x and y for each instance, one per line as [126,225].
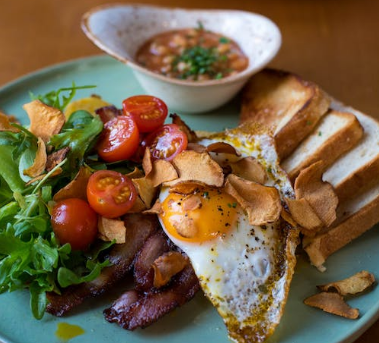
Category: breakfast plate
[196,320]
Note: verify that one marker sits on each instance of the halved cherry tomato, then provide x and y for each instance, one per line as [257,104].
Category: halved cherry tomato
[74,222]
[119,139]
[110,193]
[166,142]
[148,111]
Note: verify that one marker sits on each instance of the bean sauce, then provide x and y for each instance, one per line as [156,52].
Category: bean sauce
[192,54]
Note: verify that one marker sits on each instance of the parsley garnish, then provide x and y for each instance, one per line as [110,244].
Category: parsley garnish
[199,60]
[224,40]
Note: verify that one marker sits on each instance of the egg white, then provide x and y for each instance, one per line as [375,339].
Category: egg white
[246,272]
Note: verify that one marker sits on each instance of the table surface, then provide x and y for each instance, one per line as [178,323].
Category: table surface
[333,43]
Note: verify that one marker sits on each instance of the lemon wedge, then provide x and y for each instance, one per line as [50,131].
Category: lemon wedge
[90,104]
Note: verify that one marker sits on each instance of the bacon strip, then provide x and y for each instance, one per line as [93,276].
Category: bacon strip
[107,113]
[154,247]
[149,307]
[139,228]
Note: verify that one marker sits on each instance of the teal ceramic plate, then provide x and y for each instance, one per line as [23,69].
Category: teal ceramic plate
[197,320]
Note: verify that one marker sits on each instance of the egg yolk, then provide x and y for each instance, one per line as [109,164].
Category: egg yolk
[198,217]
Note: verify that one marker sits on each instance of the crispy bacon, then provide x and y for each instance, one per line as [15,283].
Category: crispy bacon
[107,113]
[137,309]
[56,157]
[154,247]
[139,228]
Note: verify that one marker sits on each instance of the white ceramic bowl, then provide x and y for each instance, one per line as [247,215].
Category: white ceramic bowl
[120,30]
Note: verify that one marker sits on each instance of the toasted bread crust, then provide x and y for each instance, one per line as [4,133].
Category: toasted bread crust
[302,124]
[294,110]
[319,248]
[285,103]
[349,179]
[331,148]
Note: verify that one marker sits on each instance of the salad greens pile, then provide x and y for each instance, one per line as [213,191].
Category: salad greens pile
[30,255]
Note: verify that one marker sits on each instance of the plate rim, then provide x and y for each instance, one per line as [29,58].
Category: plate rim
[370,317]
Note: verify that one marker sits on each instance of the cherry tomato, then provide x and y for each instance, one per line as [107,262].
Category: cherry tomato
[119,139]
[166,142]
[148,111]
[74,222]
[110,193]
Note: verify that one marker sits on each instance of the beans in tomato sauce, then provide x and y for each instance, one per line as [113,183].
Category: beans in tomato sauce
[192,54]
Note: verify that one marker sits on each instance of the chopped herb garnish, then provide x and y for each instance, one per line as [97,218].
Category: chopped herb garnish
[200,25]
[224,40]
[309,122]
[197,61]
[320,133]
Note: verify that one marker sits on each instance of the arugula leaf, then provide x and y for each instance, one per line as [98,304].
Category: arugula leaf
[78,133]
[9,169]
[30,254]
[17,151]
[56,98]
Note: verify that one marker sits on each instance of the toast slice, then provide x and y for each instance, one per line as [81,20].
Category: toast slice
[355,178]
[355,217]
[358,169]
[284,102]
[336,133]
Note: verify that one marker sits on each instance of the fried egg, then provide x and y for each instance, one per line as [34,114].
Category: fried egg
[244,270]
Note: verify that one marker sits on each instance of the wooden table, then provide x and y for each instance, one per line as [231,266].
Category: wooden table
[334,43]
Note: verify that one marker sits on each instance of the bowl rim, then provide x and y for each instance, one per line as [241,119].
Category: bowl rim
[239,77]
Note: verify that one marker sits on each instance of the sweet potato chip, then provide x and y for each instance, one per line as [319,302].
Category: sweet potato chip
[56,157]
[198,167]
[304,215]
[191,202]
[354,284]
[222,148]
[249,169]
[145,189]
[45,120]
[156,209]
[185,227]
[203,134]
[288,218]
[261,203]
[166,266]
[319,194]
[5,123]
[77,188]
[111,229]
[196,147]
[39,163]
[135,174]
[187,187]
[162,171]
[138,206]
[147,163]
[332,303]
[191,135]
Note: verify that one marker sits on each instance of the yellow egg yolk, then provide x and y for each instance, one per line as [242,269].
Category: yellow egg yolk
[198,217]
